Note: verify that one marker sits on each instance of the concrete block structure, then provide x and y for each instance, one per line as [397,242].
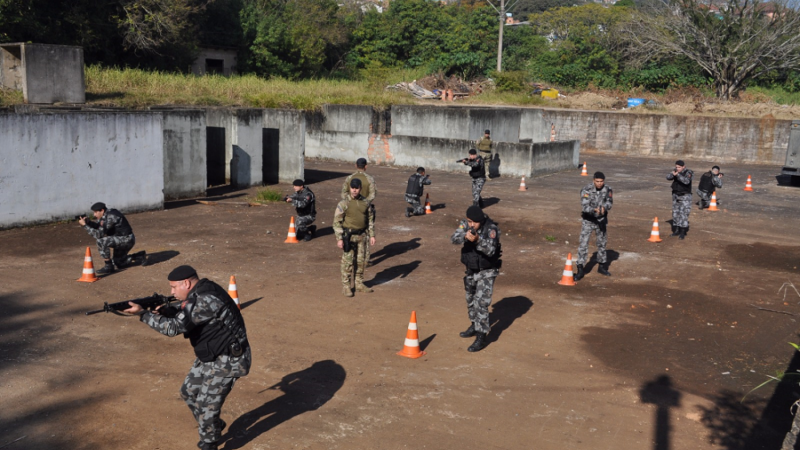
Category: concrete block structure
[44,73]
[215,60]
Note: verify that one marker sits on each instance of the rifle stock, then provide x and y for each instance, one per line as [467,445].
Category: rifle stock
[149,303]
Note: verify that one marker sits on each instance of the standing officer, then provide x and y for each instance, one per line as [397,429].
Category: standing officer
[211,321]
[681,198]
[112,231]
[305,203]
[481,256]
[596,201]
[709,181]
[368,188]
[484,145]
[478,173]
[414,192]
[353,223]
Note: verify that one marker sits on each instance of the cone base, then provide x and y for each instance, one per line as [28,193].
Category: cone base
[654,240]
[291,241]
[748,190]
[407,353]
[81,279]
[567,282]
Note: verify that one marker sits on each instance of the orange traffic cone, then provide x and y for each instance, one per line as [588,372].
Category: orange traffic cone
[566,278]
[749,185]
[522,186]
[411,345]
[655,236]
[552,132]
[584,173]
[234,292]
[713,205]
[428,209]
[88,275]
[292,237]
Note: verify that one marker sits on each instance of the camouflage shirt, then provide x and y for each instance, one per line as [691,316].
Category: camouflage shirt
[591,198]
[488,237]
[341,214]
[305,202]
[368,188]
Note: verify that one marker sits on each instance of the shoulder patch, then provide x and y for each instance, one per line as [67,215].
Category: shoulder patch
[493,234]
[586,195]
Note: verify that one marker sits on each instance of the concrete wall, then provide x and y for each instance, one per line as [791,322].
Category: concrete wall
[227,56]
[291,126]
[54,166]
[45,73]
[689,137]
[532,127]
[549,157]
[185,172]
[456,122]
[247,148]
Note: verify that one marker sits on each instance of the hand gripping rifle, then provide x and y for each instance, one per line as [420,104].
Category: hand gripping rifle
[152,302]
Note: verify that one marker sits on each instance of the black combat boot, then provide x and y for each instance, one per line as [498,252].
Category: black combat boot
[469,332]
[208,445]
[479,344]
[409,211]
[682,233]
[312,229]
[307,235]
[107,269]
[602,269]
[676,231]
[578,272]
[480,203]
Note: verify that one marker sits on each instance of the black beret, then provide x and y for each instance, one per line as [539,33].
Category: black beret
[487,132]
[475,214]
[99,206]
[679,163]
[600,175]
[361,162]
[472,151]
[181,273]
[355,183]
[298,182]
[715,167]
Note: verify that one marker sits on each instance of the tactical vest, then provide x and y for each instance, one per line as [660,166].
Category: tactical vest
[485,144]
[122,228]
[311,208]
[218,336]
[355,218]
[365,186]
[706,183]
[480,171]
[476,261]
[414,187]
[680,188]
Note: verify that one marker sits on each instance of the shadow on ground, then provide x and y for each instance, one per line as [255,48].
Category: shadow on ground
[303,391]
[504,313]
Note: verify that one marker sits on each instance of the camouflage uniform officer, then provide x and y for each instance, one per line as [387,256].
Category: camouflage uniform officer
[478,173]
[305,203]
[211,321]
[709,182]
[368,187]
[596,201]
[484,145]
[414,192]
[354,227]
[681,179]
[481,255]
[112,231]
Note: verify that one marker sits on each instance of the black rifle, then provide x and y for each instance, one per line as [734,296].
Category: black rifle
[151,302]
[80,217]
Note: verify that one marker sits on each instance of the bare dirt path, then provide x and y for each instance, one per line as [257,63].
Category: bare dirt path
[659,354]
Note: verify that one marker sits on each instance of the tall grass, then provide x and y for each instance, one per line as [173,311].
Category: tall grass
[777,94]
[10,97]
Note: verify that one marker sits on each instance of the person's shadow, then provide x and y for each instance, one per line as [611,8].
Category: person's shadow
[504,313]
[393,249]
[494,166]
[399,271]
[661,393]
[304,391]
[611,256]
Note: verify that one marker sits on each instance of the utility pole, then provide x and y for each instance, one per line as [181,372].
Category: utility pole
[500,38]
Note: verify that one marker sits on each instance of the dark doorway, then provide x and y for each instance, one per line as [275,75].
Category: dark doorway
[215,156]
[215,66]
[270,139]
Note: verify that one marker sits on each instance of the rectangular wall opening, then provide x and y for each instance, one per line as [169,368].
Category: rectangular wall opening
[270,139]
[215,66]
[215,156]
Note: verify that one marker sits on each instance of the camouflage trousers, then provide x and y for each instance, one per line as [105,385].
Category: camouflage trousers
[356,258]
[416,205]
[302,223]
[681,207]
[479,287]
[477,187]
[121,245]
[705,198]
[205,389]
[487,159]
[587,228]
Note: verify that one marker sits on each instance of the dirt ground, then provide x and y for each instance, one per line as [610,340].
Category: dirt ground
[656,356]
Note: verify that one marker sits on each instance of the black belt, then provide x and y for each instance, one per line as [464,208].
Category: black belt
[681,194]
[355,232]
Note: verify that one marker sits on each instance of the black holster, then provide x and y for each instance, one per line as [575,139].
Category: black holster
[346,240]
